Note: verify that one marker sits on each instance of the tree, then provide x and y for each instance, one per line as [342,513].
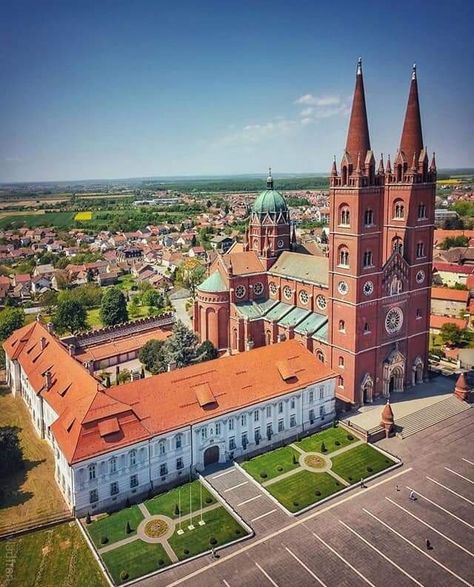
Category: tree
[190,274]
[11,458]
[152,356]
[48,300]
[194,241]
[451,333]
[124,376]
[180,347]
[206,352]
[70,316]
[10,320]
[152,297]
[113,309]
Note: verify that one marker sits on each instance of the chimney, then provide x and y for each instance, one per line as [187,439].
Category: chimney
[72,350]
[47,380]
[43,343]
[171,365]
[50,327]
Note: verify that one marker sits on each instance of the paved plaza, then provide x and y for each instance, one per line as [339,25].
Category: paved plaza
[372,536]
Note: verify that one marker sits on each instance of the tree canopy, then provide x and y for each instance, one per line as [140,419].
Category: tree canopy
[153,357]
[113,309]
[70,316]
[451,333]
[10,320]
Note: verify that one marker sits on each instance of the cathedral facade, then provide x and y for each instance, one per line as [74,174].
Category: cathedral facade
[363,309]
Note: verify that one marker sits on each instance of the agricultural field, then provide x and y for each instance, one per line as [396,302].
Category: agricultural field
[83,216]
[33,220]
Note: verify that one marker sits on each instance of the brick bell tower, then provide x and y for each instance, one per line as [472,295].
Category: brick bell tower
[381,227]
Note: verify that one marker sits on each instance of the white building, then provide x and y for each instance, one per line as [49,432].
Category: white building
[118,443]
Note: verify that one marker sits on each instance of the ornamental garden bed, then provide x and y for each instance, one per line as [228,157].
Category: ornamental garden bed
[325,464]
[146,538]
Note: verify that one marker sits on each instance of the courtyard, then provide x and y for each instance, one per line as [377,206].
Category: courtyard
[316,467]
[168,528]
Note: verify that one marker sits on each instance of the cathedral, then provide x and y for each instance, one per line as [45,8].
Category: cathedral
[364,309]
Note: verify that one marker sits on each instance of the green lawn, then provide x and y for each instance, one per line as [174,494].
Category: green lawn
[165,503]
[114,526]
[58,556]
[137,558]
[94,321]
[354,464]
[272,464]
[126,281]
[220,525]
[56,219]
[299,490]
[330,437]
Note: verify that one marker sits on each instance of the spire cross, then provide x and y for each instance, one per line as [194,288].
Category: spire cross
[359,66]
[413,71]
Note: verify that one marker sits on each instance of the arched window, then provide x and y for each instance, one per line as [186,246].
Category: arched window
[92,471]
[113,465]
[341,362]
[396,286]
[178,441]
[397,245]
[366,328]
[320,356]
[420,249]
[344,215]
[368,259]
[399,172]
[418,313]
[162,447]
[342,326]
[344,175]
[398,210]
[421,211]
[340,381]
[343,256]
[369,217]
[133,457]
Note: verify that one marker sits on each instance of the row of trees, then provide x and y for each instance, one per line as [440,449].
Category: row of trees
[180,349]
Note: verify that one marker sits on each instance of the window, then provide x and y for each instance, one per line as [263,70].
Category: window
[311,397]
[420,249]
[311,416]
[304,297]
[269,411]
[343,257]
[244,440]
[179,441]
[366,328]
[421,211]
[344,216]
[341,362]
[92,471]
[93,496]
[163,469]
[218,428]
[240,291]
[368,217]
[257,435]
[340,381]
[287,292]
[321,412]
[113,465]
[269,431]
[179,463]
[281,425]
[203,433]
[398,210]
[162,447]
[133,457]
[293,403]
[280,407]
[256,416]
[321,392]
[231,423]
[292,420]
[396,286]
[342,326]
[321,302]
[114,488]
[419,313]
[397,245]
[320,356]
[231,443]
[243,420]
[133,481]
[368,259]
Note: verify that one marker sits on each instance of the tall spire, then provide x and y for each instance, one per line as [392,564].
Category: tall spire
[358,141]
[411,142]
[269,179]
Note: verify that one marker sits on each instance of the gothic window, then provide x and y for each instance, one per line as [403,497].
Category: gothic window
[418,313]
[421,211]
[344,175]
[344,216]
[343,257]
[341,362]
[366,328]
[368,259]
[369,217]
[397,245]
[320,356]
[342,326]
[420,249]
[398,210]
[340,381]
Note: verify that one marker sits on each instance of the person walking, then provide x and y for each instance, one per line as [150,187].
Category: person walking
[428,544]
[412,495]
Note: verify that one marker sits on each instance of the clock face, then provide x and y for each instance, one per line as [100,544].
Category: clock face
[321,302]
[368,288]
[239,291]
[420,276]
[342,288]
[280,243]
[393,320]
[258,288]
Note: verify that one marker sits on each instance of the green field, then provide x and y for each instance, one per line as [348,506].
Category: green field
[58,556]
[56,219]
[272,464]
[166,503]
[333,438]
[360,462]
[138,558]
[114,526]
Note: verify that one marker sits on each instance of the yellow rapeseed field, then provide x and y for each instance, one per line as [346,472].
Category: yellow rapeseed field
[83,216]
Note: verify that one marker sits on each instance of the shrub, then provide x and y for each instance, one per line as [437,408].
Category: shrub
[337,483]
[323,447]
[213,541]
[369,469]
[186,551]
[317,492]
[238,531]
[296,504]
[176,510]
[263,475]
[208,499]
[128,528]
[104,540]
[295,460]
[124,575]
[88,518]
[337,443]
[161,562]
[350,437]
[350,478]
[387,462]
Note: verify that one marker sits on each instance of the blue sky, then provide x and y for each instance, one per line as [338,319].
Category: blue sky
[109,89]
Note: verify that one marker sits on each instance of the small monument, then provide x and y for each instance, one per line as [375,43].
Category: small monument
[387,422]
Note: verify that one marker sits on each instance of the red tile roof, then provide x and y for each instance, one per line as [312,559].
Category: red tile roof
[453,268]
[438,321]
[445,293]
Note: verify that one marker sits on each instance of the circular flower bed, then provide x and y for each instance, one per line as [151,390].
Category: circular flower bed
[156,528]
[314,461]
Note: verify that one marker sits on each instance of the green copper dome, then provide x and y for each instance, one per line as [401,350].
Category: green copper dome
[213,284]
[269,201]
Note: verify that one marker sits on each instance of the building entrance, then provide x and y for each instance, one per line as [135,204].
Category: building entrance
[211,455]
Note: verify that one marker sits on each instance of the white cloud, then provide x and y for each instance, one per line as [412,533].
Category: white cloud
[307,111]
[311,100]
[255,133]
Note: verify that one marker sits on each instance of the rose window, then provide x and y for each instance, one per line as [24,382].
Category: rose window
[393,320]
[321,302]
[304,297]
[258,289]
[287,292]
[240,291]
[273,288]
